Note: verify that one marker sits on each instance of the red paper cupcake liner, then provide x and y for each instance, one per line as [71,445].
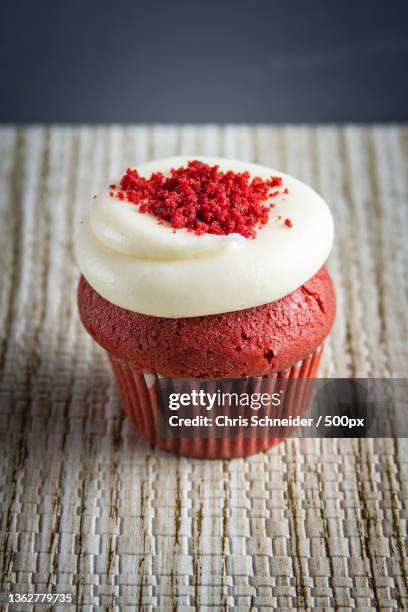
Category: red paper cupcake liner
[142,401]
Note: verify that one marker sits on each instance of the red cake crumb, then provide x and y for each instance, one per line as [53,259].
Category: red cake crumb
[203,199]
[288,223]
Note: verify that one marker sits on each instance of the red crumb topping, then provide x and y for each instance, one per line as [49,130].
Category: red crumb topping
[288,223]
[203,199]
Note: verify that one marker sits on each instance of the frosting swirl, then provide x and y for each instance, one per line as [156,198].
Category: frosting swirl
[138,264]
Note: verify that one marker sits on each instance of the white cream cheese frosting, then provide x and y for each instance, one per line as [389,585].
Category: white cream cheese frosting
[136,263]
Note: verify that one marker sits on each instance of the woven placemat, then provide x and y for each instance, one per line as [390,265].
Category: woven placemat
[88,507]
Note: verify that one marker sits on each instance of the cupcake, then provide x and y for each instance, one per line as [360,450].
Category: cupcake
[205,277]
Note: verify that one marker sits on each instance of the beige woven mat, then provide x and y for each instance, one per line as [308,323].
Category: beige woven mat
[88,507]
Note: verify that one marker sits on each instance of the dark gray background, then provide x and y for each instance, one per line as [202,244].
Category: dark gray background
[196,61]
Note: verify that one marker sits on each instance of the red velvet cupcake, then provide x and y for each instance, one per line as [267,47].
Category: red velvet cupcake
[207,275]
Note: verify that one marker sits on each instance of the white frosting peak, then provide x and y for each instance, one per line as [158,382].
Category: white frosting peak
[141,265]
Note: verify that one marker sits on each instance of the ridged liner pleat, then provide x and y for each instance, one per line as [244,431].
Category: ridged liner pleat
[141,395]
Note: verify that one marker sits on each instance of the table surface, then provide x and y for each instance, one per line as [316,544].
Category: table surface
[88,506]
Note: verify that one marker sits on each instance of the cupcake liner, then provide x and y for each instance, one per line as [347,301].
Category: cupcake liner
[145,398]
